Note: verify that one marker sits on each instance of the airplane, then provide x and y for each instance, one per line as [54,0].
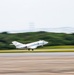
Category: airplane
[29,46]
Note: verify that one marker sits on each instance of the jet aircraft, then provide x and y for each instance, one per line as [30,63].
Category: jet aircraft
[29,46]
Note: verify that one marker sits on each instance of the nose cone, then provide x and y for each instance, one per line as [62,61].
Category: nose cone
[46,42]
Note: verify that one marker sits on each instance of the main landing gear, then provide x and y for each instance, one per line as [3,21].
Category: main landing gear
[30,49]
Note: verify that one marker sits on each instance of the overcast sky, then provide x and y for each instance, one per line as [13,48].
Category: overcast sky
[20,14]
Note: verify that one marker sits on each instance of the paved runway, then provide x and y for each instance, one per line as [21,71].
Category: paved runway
[37,54]
[37,64]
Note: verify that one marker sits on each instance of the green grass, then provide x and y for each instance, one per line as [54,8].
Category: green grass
[59,47]
[43,49]
[37,51]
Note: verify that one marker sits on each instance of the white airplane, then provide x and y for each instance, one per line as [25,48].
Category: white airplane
[29,46]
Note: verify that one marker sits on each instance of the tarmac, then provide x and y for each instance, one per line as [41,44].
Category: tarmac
[37,64]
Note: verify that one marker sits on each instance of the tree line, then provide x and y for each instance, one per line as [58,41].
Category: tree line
[54,39]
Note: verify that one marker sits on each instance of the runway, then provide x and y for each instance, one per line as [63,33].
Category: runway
[37,63]
[37,54]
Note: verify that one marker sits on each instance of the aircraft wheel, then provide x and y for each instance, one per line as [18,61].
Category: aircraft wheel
[32,49]
[28,49]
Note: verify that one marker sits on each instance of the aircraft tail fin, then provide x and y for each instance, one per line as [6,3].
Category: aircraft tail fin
[17,44]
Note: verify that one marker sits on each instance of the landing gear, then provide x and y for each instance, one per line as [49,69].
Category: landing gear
[30,49]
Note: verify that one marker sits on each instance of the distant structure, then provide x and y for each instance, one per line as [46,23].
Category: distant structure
[31,27]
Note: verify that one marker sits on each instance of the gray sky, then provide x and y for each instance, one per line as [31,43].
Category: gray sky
[18,14]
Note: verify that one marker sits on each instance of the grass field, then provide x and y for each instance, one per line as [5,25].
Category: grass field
[59,47]
[37,50]
[69,48]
